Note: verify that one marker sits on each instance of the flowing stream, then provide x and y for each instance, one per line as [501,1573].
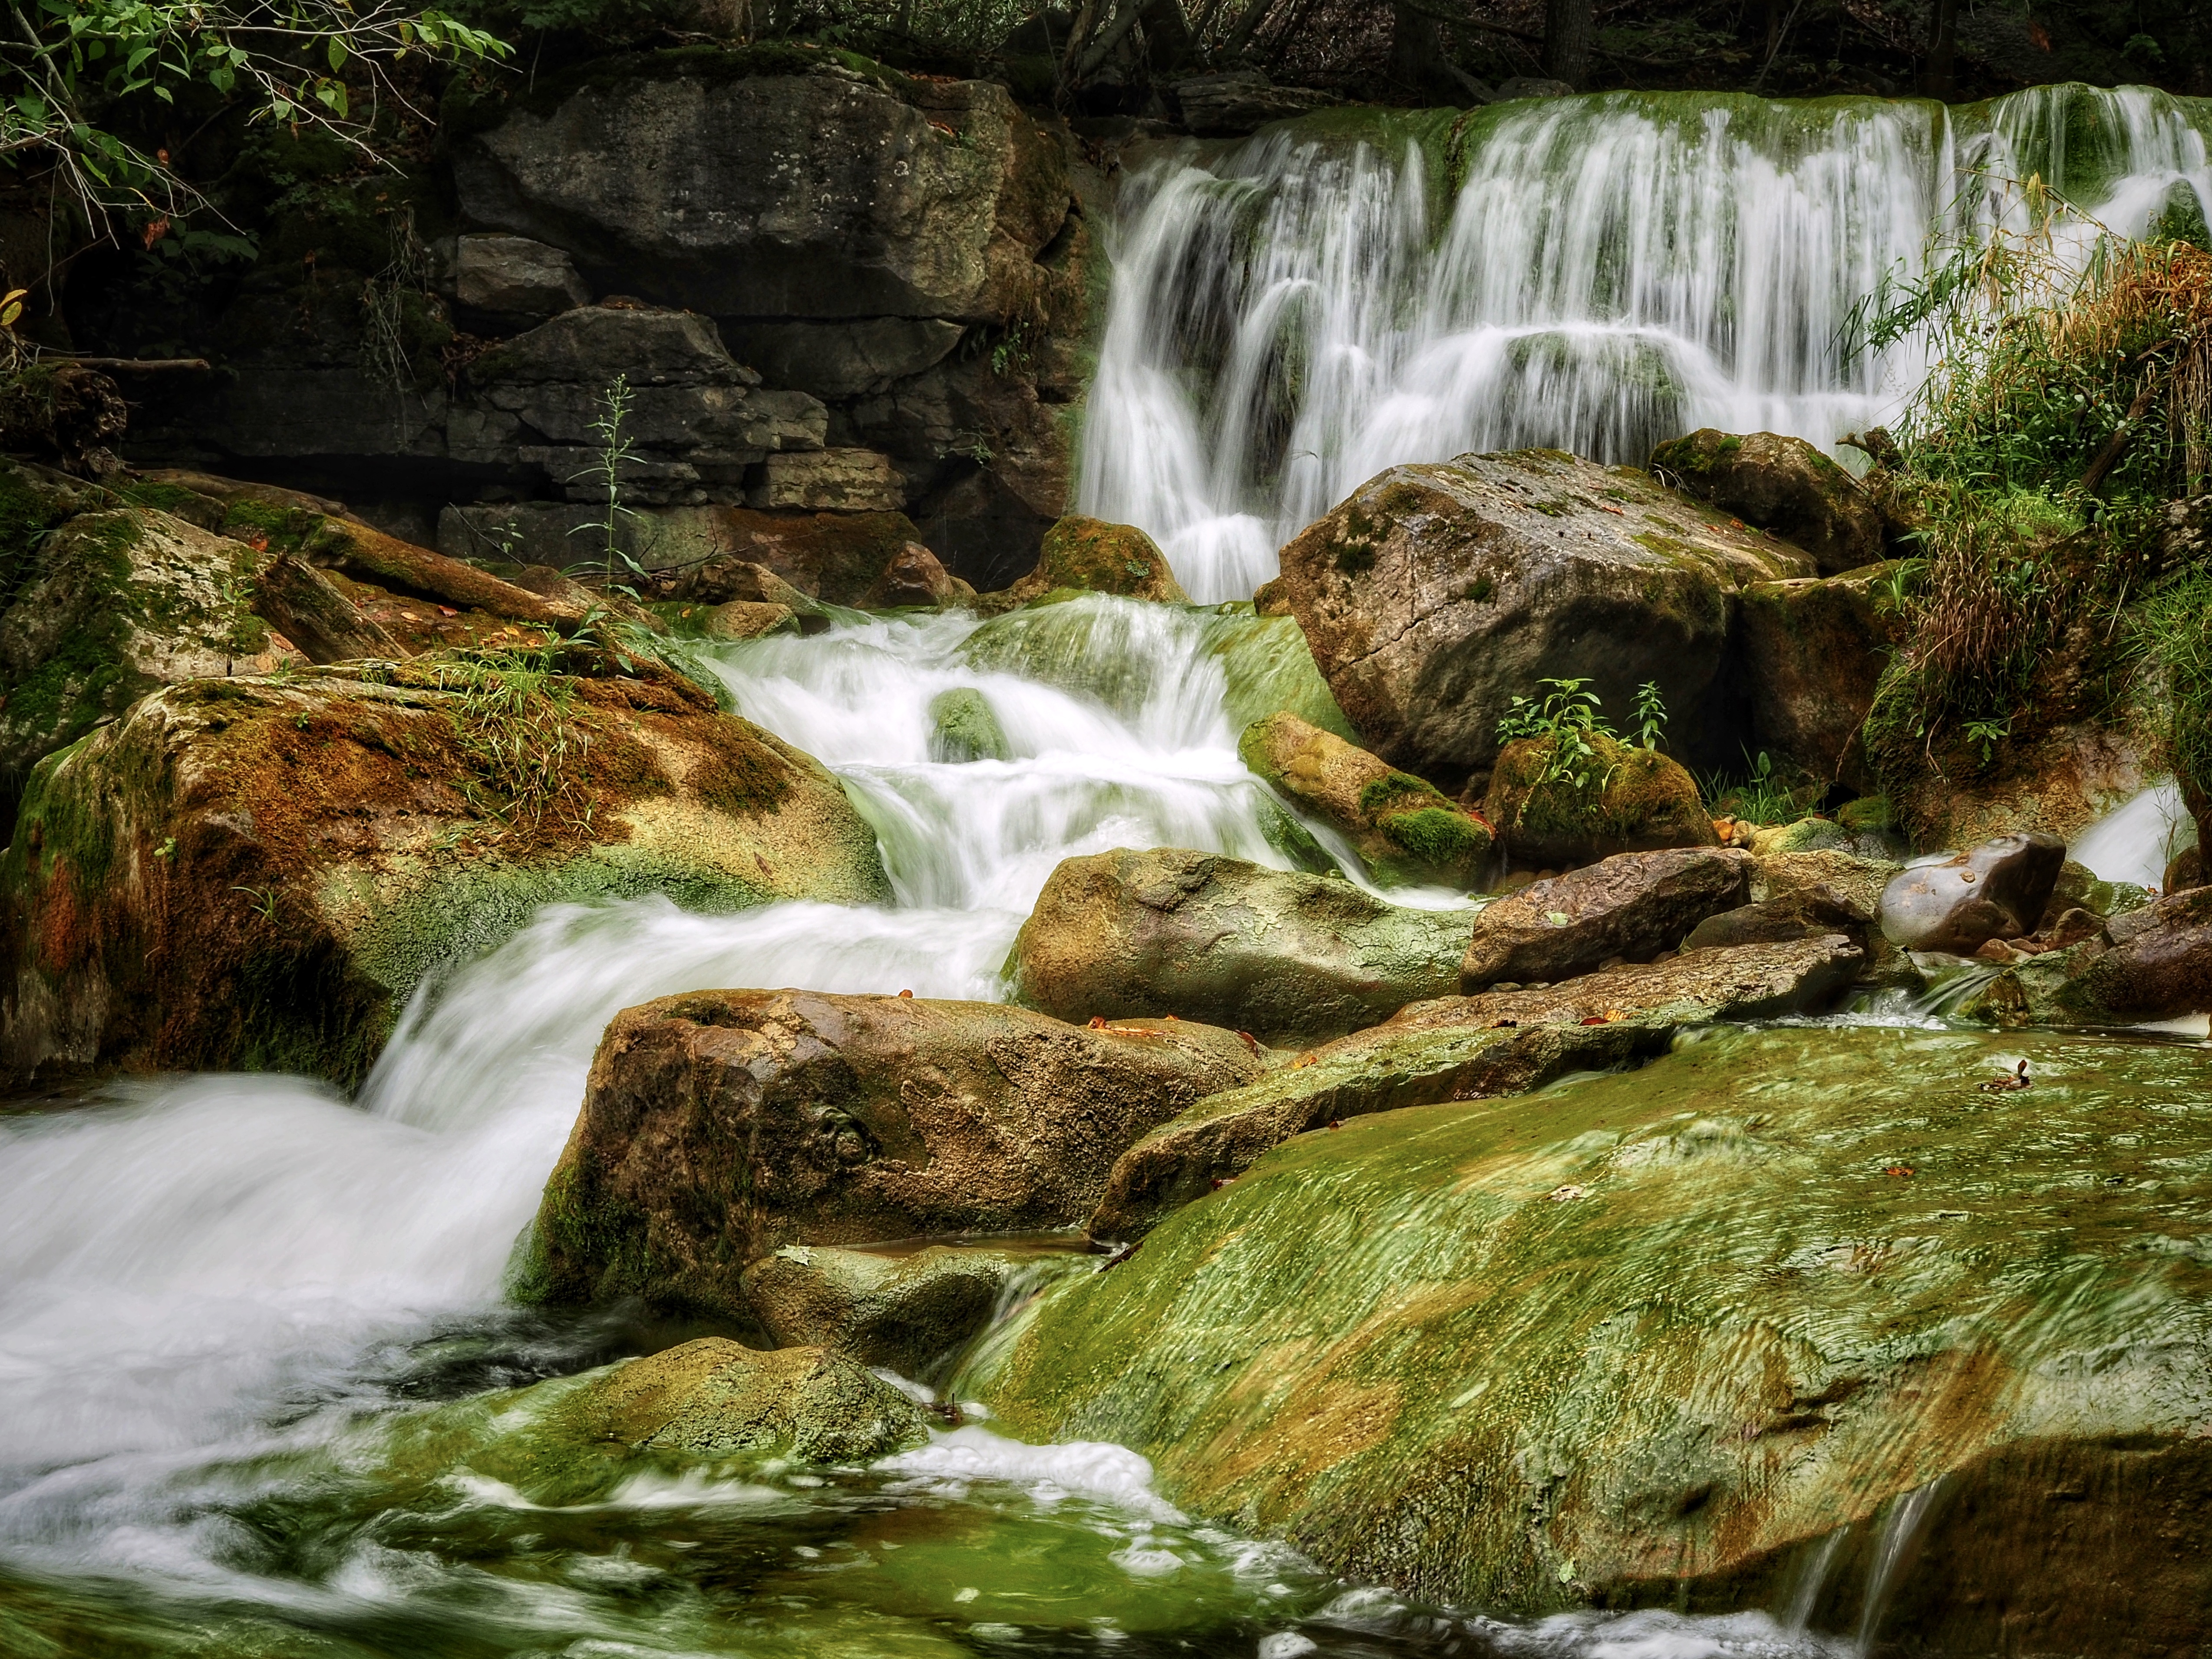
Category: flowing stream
[211,1289]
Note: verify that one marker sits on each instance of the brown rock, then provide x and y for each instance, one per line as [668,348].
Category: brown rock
[1778,484]
[1404,828]
[299,602]
[915,577]
[1633,905]
[748,619]
[1434,594]
[1620,799]
[719,1126]
[1094,556]
[2160,965]
[1998,890]
[1812,652]
[909,1312]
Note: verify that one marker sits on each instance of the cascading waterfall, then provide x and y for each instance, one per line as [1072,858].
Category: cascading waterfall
[1303,313]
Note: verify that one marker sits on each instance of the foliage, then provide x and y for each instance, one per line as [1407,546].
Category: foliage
[1572,714]
[1764,796]
[513,716]
[617,452]
[74,67]
[2174,630]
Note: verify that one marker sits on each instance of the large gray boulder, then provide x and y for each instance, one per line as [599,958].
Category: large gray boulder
[1290,959]
[1433,595]
[719,1126]
[1998,890]
[1631,906]
[1779,484]
[512,275]
[828,195]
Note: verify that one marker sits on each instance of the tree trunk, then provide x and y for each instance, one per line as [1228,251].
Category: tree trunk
[1940,78]
[306,607]
[1419,63]
[1567,28]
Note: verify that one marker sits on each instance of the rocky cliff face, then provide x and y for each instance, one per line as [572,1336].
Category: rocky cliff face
[837,289]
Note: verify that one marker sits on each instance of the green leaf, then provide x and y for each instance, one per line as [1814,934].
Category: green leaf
[338,52]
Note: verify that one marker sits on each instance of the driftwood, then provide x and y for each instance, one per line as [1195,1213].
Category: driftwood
[302,604]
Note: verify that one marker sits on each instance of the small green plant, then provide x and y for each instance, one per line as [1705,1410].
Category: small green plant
[1569,715]
[264,901]
[1650,715]
[615,452]
[1986,734]
[512,715]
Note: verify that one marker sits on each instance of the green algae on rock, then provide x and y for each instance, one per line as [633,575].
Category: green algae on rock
[1290,957]
[255,872]
[1636,1339]
[1404,828]
[1623,800]
[964,727]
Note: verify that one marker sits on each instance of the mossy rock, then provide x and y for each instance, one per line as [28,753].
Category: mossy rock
[1404,828]
[1620,800]
[1091,555]
[1651,1338]
[963,728]
[255,872]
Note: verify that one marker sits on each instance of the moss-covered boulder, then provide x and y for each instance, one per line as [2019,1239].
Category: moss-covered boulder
[1404,828]
[911,1311]
[1289,957]
[255,872]
[719,1126]
[1433,595]
[1658,1338]
[1812,652]
[713,1402]
[117,603]
[1498,1042]
[1616,799]
[1779,484]
[963,728]
[2159,964]
[1090,556]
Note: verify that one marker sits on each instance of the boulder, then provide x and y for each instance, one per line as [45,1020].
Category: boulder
[838,193]
[254,873]
[1998,890]
[1631,906]
[719,1126]
[2159,964]
[1674,1338]
[914,577]
[1501,1042]
[747,619]
[316,618]
[1434,594]
[1812,652]
[515,276]
[1798,896]
[907,1312]
[1290,959]
[1779,484]
[1093,556]
[1618,798]
[1404,828]
[832,480]
[114,604]
[571,1439]
[964,727]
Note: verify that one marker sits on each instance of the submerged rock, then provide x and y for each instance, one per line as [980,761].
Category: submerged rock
[1998,891]
[1090,556]
[570,1439]
[964,727]
[906,1312]
[1291,958]
[1631,906]
[719,1126]
[1462,1048]
[1779,484]
[1434,594]
[1618,799]
[1404,828]
[1644,1339]
[254,873]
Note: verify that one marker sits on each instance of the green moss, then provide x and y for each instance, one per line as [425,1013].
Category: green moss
[1442,836]
[1384,794]
[1620,798]
[964,727]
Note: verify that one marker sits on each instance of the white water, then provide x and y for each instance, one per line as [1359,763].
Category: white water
[2136,839]
[1297,317]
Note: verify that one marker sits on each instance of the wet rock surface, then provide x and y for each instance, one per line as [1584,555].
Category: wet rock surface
[1286,956]
[1434,594]
[1998,890]
[908,1313]
[1631,906]
[1090,556]
[254,873]
[2159,964]
[1812,652]
[1781,484]
[1403,828]
[1642,1339]
[718,1126]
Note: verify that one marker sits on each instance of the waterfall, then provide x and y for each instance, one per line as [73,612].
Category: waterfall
[1591,274]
